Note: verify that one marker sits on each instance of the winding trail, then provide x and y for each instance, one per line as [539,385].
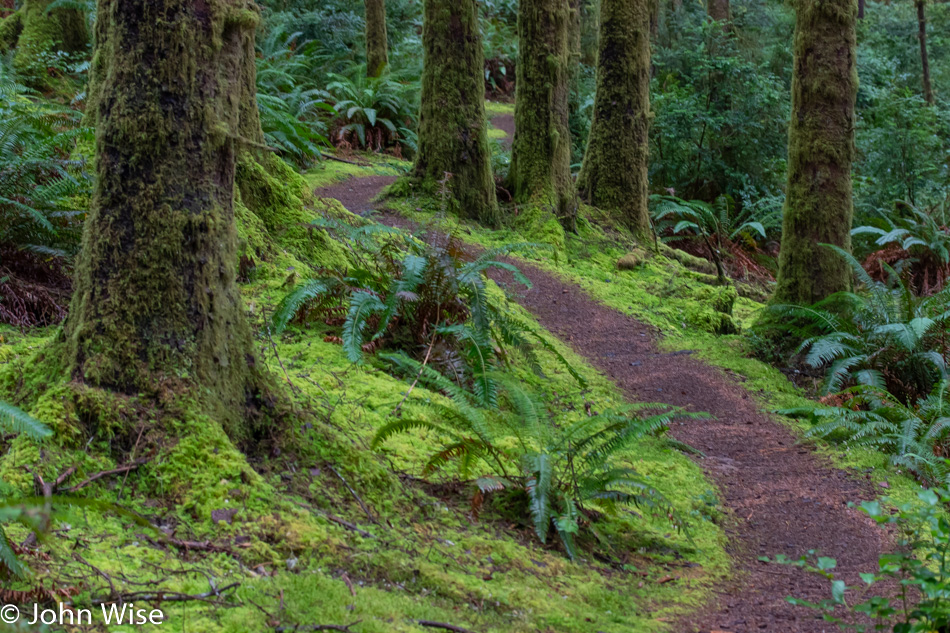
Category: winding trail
[782,498]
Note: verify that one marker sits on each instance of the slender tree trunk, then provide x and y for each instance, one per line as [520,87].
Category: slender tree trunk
[861,6]
[819,205]
[156,308]
[614,175]
[718,10]
[377,44]
[541,154]
[453,136]
[34,32]
[924,57]
[590,30]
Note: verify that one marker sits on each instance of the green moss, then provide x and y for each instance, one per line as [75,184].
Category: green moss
[38,33]
[494,108]
[614,175]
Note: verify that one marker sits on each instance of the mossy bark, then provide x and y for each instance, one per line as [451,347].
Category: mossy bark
[614,175]
[718,10]
[540,170]
[819,205]
[453,135]
[34,32]
[377,44]
[590,31]
[156,306]
[924,56]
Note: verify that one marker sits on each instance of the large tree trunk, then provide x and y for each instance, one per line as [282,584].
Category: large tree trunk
[156,307]
[819,205]
[377,44]
[34,33]
[614,175]
[924,57]
[541,153]
[453,136]
[590,30]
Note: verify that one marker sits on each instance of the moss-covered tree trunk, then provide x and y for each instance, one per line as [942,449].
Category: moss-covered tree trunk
[34,33]
[540,170]
[377,44]
[614,175]
[453,136]
[924,57]
[156,308]
[590,31]
[819,205]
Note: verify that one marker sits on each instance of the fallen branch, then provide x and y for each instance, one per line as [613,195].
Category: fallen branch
[356,496]
[442,625]
[107,473]
[171,596]
[315,627]
[348,162]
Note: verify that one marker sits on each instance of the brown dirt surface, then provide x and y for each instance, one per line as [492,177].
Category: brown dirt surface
[356,194]
[506,123]
[782,497]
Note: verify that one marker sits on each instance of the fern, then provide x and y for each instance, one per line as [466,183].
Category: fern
[13,420]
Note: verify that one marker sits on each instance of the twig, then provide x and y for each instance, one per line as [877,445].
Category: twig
[172,596]
[108,578]
[442,625]
[353,492]
[197,546]
[315,627]
[107,473]
[293,387]
[425,361]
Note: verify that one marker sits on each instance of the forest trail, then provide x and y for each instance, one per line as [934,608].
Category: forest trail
[782,497]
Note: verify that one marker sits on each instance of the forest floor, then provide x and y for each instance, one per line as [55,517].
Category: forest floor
[783,497]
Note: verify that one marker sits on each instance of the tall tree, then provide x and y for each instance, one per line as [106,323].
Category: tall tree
[819,205]
[541,152]
[156,306]
[614,174]
[453,135]
[924,57]
[34,31]
[377,44]
[718,10]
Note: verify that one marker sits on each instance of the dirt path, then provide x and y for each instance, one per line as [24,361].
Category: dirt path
[506,123]
[783,498]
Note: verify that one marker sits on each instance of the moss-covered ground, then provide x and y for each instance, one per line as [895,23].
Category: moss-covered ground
[315,527]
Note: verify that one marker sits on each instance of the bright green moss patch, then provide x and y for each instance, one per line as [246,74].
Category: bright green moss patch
[273,510]
[494,108]
[330,172]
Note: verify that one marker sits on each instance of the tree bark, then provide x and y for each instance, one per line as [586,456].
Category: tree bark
[34,33]
[590,31]
[718,10]
[861,5]
[924,57]
[156,307]
[540,170]
[377,44]
[453,136]
[614,175]
[819,205]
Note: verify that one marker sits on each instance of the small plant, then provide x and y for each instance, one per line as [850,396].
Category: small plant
[566,471]
[32,515]
[429,299]
[371,111]
[915,436]
[717,224]
[886,337]
[916,243]
[919,566]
